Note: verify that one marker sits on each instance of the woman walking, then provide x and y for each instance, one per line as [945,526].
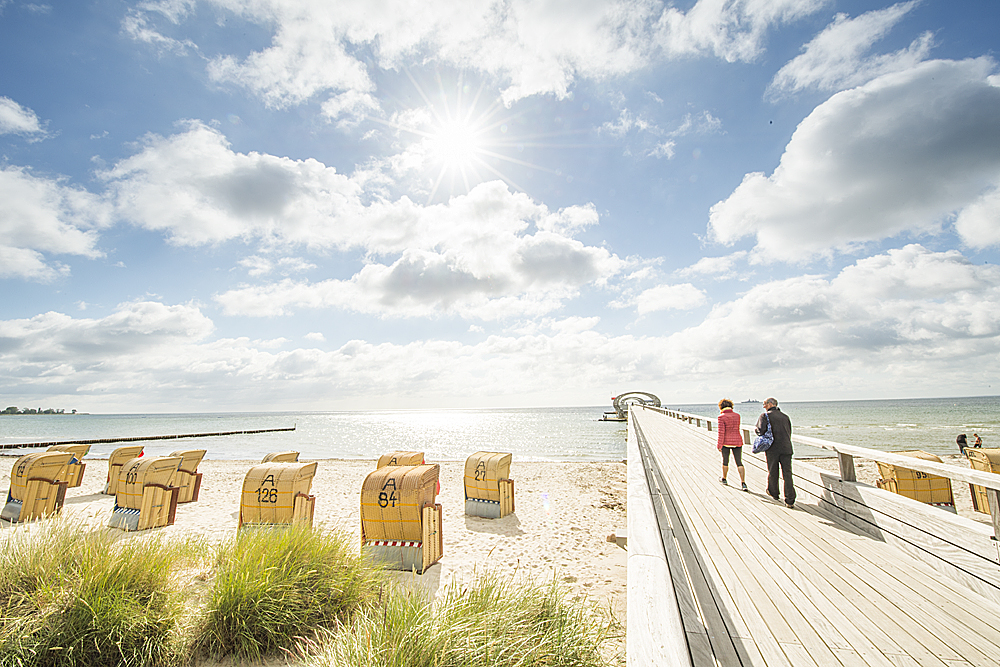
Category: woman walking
[730,441]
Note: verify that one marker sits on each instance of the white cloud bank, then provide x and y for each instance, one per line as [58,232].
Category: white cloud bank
[533,47]
[913,314]
[899,155]
[488,254]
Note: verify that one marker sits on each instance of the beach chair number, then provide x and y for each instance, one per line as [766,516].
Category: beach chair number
[920,475]
[385,499]
[267,495]
[481,472]
[131,477]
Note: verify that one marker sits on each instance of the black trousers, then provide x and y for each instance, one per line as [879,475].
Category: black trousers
[780,463]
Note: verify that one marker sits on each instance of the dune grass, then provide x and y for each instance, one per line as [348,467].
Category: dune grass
[75,597]
[490,623]
[274,586]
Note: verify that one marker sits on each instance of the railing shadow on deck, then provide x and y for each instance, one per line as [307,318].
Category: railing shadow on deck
[959,548]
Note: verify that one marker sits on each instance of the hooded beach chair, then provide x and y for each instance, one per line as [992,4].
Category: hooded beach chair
[277,493]
[489,491]
[187,478]
[400,521]
[119,458]
[76,466]
[281,457]
[145,498]
[37,486]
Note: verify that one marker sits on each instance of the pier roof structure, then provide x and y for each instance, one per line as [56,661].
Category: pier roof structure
[851,576]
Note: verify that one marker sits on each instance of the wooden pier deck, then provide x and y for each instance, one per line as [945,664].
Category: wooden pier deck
[755,583]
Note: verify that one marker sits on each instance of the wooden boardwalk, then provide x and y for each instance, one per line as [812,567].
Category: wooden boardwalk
[759,584]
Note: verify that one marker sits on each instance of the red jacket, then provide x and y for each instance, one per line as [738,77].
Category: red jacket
[729,429]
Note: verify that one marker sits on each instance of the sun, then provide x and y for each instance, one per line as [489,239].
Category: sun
[460,138]
[455,144]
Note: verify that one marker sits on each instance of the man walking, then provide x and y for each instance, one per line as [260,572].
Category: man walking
[779,454]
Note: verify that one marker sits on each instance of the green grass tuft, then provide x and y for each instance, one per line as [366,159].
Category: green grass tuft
[492,623]
[274,586]
[72,597]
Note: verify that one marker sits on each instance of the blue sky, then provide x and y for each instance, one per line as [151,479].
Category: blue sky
[224,204]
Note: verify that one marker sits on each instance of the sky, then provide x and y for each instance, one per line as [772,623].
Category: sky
[216,205]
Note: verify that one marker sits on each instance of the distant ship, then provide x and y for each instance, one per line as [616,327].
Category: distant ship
[750,400]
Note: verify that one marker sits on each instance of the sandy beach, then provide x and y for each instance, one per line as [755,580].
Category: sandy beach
[563,514]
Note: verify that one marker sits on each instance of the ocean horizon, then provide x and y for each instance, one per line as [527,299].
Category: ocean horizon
[542,434]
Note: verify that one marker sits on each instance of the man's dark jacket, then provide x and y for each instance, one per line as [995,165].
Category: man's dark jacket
[781,429]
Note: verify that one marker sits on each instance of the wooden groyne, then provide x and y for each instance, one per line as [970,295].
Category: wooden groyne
[139,438]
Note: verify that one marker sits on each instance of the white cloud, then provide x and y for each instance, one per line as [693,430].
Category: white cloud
[197,190]
[669,297]
[16,119]
[316,336]
[719,267]
[530,48]
[40,216]
[664,149]
[910,314]
[898,155]
[137,26]
[834,59]
[979,222]
[734,31]
[488,254]
[261,266]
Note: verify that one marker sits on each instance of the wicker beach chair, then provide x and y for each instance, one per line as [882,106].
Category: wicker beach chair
[489,491]
[144,497]
[276,494]
[986,460]
[37,486]
[920,486]
[187,478]
[119,458]
[281,457]
[400,521]
[76,466]
[401,459]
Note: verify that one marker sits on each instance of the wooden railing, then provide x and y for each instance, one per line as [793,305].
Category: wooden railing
[655,629]
[847,453]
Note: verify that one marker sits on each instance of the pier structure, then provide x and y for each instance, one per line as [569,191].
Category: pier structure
[852,576]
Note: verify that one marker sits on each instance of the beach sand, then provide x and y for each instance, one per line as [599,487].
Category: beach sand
[563,514]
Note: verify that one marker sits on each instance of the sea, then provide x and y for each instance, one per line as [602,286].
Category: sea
[531,434]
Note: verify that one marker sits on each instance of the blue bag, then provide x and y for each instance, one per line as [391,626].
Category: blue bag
[762,442]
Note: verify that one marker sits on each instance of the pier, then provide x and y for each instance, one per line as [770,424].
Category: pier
[141,438]
[852,576]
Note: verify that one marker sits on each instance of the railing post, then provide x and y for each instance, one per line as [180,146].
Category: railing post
[709,422]
[993,500]
[746,436]
[847,473]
